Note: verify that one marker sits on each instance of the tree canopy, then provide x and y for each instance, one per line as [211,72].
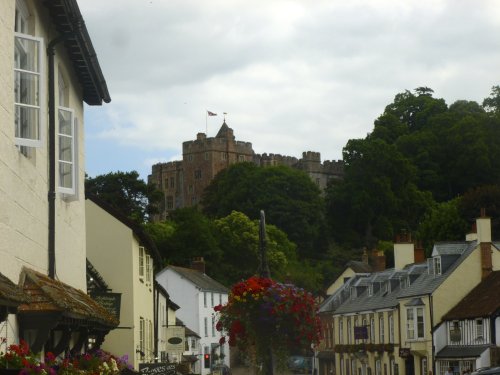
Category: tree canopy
[125,192]
[291,201]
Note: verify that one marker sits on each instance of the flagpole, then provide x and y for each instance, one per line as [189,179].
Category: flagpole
[206,122]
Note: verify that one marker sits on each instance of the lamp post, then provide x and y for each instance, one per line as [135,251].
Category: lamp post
[267,366]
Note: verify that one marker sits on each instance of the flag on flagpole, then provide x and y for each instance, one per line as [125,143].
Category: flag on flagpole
[211,113]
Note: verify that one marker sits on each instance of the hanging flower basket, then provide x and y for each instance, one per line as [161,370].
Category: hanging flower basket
[263,315]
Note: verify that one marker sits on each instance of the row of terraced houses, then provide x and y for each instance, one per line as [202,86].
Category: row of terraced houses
[421,317]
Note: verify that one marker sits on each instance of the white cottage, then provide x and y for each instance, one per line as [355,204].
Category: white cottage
[197,294]
[48,69]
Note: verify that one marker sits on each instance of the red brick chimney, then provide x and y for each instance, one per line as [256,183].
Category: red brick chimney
[419,253]
[378,260]
[198,264]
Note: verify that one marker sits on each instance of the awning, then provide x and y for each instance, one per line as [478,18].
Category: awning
[326,354]
[55,305]
[189,358]
[455,351]
[11,296]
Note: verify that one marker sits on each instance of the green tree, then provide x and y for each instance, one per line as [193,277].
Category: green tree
[289,198]
[492,103]
[443,222]
[487,197]
[193,236]
[378,196]
[238,239]
[126,193]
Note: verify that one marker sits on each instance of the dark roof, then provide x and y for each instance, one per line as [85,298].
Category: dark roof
[200,279]
[68,19]
[359,267]
[136,228]
[189,333]
[482,301]
[95,281]
[10,293]
[49,295]
[223,131]
[455,351]
[427,282]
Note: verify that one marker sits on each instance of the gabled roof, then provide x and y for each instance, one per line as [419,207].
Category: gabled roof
[427,283]
[49,295]
[188,331]
[200,279]
[136,228]
[482,301]
[449,248]
[67,19]
[359,267]
[10,293]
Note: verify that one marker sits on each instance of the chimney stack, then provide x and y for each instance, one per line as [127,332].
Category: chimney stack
[483,224]
[419,253]
[404,252]
[198,264]
[364,257]
[378,260]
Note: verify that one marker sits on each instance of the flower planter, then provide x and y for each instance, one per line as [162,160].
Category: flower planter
[9,371]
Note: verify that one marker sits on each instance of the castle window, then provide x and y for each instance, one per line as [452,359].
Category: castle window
[172,182]
[223,156]
[190,157]
[206,155]
[197,174]
[170,202]
[190,188]
[241,157]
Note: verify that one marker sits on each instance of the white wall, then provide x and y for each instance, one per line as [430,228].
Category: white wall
[24,181]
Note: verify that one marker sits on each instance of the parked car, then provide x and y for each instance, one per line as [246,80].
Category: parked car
[300,364]
[221,369]
[487,371]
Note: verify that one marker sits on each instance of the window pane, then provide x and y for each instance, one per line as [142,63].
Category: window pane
[27,122]
[66,175]
[65,149]
[65,122]
[420,322]
[26,54]
[26,88]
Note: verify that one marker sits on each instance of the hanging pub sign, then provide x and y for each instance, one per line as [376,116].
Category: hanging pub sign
[110,301]
[157,368]
[361,333]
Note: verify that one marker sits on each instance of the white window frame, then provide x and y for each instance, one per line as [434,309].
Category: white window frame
[72,141]
[206,326]
[381,329]
[479,329]
[391,328]
[141,262]
[372,330]
[142,333]
[437,265]
[413,331]
[148,268]
[40,94]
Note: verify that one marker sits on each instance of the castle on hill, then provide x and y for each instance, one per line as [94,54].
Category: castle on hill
[183,181]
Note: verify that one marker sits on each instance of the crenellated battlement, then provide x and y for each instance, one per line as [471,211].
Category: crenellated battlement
[183,181]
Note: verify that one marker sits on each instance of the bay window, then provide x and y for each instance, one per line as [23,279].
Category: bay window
[415,323]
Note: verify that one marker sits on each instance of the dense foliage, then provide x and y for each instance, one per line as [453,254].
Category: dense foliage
[126,193]
[291,201]
[427,167]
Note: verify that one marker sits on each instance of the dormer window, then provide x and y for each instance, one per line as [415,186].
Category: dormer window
[370,290]
[437,265]
[353,292]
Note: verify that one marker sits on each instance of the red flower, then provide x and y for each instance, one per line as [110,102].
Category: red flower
[222,340]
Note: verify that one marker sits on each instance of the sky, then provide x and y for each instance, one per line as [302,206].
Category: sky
[292,76]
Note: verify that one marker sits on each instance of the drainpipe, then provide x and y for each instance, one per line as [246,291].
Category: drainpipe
[52,152]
